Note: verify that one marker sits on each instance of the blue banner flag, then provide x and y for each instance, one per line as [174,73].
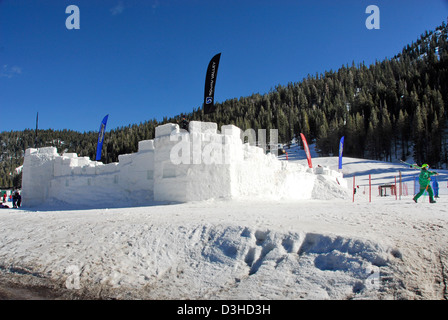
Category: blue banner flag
[341,148]
[101,133]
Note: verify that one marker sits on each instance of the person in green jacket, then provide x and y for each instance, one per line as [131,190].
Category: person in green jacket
[424,181]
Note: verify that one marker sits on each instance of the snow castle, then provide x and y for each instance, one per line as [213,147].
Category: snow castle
[176,166]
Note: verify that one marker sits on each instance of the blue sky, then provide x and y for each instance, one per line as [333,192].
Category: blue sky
[138,60]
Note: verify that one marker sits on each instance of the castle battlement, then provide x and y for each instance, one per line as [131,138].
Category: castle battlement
[177,165]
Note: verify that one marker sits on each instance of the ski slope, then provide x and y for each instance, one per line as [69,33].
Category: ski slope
[380,172]
[352,248]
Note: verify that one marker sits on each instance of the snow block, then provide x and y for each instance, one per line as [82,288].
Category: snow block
[231,130]
[166,129]
[202,127]
[146,145]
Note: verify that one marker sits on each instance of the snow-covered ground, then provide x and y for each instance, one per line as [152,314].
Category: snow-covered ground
[385,248]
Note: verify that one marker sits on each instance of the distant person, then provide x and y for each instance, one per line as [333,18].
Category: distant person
[424,180]
[184,123]
[14,199]
[19,200]
[435,185]
[4,197]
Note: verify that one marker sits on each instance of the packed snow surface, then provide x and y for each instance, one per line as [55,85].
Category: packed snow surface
[351,248]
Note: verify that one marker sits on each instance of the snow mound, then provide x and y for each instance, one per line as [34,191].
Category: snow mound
[292,263]
[358,248]
[327,189]
[202,261]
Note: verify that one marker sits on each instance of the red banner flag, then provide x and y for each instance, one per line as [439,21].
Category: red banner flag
[307,150]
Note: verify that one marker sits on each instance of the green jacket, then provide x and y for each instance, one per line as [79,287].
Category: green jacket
[425,178]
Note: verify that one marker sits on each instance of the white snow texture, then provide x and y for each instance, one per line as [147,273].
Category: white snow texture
[253,228]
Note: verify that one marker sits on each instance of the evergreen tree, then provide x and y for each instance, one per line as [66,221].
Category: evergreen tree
[418,135]
[387,134]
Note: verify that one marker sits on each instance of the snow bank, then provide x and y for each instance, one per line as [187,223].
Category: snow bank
[179,166]
[229,249]
[149,253]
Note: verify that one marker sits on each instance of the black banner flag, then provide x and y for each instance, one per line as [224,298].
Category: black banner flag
[210,81]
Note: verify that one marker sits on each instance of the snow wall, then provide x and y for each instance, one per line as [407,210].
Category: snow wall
[178,166]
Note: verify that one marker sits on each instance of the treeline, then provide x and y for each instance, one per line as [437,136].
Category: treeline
[395,108]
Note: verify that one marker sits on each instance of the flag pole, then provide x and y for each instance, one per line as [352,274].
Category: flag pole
[35,135]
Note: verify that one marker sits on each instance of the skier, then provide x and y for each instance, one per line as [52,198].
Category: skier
[424,181]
